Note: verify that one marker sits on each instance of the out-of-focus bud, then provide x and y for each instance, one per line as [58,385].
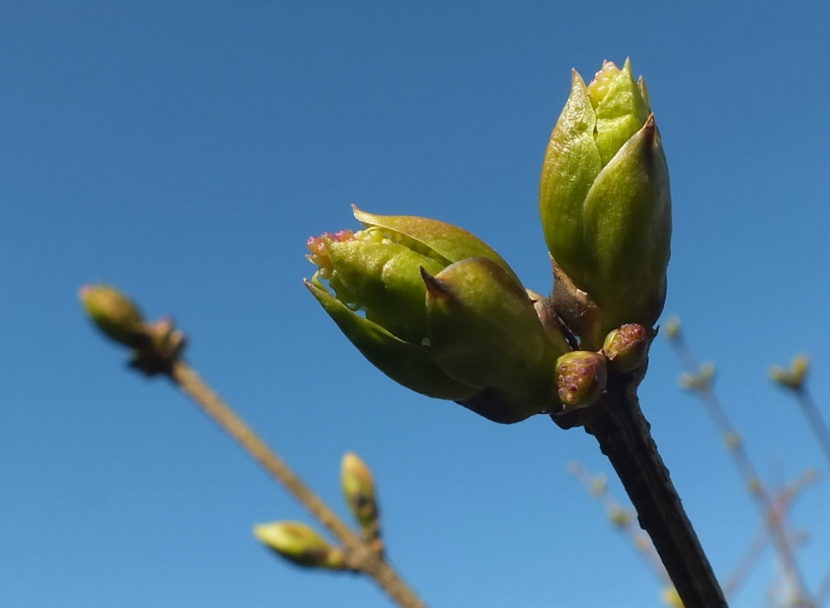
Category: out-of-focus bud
[794,377]
[359,490]
[671,598]
[732,441]
[300,544]
[484,331]
[580,378]
[671,328]
[626,348]
[605,205]
[421,312]
[598,485]
[114,314]
[619,517]
[701,381]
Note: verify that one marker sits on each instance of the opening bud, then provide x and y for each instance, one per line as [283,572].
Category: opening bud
[581,377]
[439,311]
[300,544]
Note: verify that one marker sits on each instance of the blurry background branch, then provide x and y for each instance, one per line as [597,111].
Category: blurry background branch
[157,349]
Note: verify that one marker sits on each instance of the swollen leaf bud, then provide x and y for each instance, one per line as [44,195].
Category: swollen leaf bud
[626,348]
[300,544]
[580,378]
[114,314]
[605,204]
[437,310]
[483,330]
[359,490]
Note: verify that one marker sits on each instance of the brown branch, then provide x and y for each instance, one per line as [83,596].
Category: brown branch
[360,556]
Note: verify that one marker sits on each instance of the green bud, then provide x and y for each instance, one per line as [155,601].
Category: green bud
[359,490]
[700,381]
[580,378]
[626,348]
[300,544]
[670,597]
[793,378]
[671,328]
[483,330]
[114,314]
[438,311]
[605,202]
[619,517]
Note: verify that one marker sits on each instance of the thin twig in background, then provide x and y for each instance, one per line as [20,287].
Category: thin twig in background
[784,499]
[360,556]
[747,563]
[814,418]
[746,468]
[156,349]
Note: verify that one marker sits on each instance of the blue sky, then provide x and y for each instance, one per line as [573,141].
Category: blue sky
[186,152]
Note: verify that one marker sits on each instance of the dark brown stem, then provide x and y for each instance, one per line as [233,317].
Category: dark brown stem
[625,438]
[360,556]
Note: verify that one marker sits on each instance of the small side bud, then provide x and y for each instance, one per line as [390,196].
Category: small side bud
[793,378]
[114,314]
[580,378]
[359,490]
[300,544]
[626,348]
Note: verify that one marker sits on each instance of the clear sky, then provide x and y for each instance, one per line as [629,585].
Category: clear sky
[185,151]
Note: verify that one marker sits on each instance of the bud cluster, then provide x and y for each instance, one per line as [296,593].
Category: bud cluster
[440,312]
[302,545]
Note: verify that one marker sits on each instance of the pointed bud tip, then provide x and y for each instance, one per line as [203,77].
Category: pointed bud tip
[436,288]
